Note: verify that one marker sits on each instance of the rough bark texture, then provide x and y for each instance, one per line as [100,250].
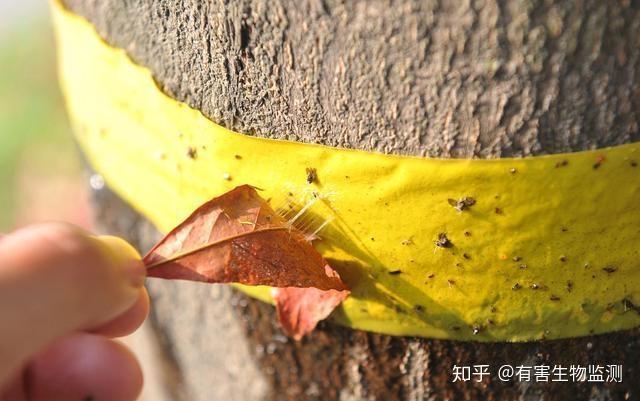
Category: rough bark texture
[439,78]
[447,78]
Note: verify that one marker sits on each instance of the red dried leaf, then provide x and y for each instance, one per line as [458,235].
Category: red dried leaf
[300,309]
[238,238]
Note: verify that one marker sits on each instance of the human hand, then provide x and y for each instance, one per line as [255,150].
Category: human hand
[62,294]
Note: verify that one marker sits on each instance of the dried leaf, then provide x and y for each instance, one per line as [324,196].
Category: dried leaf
[238,238]
[300,309]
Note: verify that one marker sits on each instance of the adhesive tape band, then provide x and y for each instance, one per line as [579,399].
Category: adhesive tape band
[548,250]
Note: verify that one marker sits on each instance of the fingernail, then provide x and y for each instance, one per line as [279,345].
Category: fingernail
[128,258]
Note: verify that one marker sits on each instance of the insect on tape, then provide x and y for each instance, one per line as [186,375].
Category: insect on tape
[490,250]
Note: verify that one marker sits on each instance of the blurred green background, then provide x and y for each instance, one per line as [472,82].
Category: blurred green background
[40,173]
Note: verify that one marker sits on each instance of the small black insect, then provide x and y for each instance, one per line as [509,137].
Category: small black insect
[629,305]
[569,286]
[599,160]
[192,153]
[312,175]
[443,241]
[462,204]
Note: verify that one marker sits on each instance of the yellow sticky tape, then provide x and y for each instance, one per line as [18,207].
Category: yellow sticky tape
[549,249]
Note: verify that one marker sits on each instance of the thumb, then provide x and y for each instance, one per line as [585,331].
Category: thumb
[55,279]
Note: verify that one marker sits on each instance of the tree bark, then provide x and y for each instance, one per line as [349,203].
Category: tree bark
[435,78]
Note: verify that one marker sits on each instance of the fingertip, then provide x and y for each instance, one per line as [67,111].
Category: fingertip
[129,321]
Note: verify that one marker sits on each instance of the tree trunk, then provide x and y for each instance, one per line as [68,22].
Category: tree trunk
[434,78]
